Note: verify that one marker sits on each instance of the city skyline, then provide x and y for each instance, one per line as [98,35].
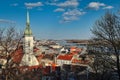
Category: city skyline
[56,19]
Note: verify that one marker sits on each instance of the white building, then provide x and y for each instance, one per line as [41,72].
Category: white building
[64,59]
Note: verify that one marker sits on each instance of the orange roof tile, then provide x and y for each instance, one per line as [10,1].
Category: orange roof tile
[35,49]
[65,57]
[53,66]
[73,47]
[40,57]
[18,55]
[46,70]
[75,60]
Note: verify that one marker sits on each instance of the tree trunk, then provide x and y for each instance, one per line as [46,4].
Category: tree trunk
[117,62]
[118,66]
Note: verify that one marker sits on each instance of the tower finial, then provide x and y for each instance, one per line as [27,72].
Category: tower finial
[28,19]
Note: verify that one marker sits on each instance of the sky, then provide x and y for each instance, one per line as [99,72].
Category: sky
[56,19]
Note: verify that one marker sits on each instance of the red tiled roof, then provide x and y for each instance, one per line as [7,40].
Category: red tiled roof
[79,49]
[18,55]
[40,57]
[65,57]
[35,49]
[73,47]
[75,61]
[46,70]
[80,61]
[30,67]
[73,53]
[35,67]
[53,66]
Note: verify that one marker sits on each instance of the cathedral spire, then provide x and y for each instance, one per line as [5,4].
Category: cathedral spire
[29,58]
[28,20]
[28,31]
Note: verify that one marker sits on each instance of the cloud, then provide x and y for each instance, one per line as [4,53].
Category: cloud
[32,5]
[6,21]
[52,0]
[74,12]
[15,4]
[51,3]
[108,7]
[69,19]
[70,9]
[68,3]
[71,15]
[59,10]
[95,5]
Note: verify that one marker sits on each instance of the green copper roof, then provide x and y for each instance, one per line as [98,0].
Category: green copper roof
[28,31]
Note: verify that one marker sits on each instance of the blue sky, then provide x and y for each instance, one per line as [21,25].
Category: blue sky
[56,19]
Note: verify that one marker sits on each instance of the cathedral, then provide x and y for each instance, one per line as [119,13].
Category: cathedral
[28,58]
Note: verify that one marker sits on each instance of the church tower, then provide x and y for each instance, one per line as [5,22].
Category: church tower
[28,37]
[29,58]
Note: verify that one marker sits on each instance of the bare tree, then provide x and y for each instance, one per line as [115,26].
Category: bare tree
[103,66]
[10,39]
[107,31]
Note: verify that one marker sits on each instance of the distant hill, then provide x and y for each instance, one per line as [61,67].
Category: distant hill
[77,41]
